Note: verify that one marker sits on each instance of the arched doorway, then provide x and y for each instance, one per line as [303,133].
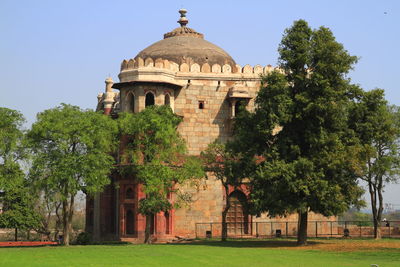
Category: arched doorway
[237,217]
[129,222]
[149,101]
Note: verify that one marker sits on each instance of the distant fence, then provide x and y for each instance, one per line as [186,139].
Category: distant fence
[289,229]
[18,235]
[7,234]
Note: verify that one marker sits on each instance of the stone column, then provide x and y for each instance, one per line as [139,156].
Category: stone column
[96,217]
[116,185]
[233,104]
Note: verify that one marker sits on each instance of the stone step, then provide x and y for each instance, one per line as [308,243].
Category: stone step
[135,240]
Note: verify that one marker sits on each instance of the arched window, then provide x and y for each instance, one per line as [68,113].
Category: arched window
[131,102]
[130,222]
[237,217]
[149,99]
[167,224]
[238,107]
[129,193]
[167,100]
[201,104]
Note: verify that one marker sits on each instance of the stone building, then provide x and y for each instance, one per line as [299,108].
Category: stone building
[201,83]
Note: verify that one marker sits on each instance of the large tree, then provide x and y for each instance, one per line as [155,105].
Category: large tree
[377,126]
[156,153]
[299,130]
[16,198]
[71,153]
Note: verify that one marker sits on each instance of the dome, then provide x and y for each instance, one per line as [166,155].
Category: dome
[185,45]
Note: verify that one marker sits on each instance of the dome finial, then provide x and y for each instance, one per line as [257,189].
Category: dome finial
[183,20]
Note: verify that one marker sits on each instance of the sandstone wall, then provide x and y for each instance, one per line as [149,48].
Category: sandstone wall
[207,206]
[201,127]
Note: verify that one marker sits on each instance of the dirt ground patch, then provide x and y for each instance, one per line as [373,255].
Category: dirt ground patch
[349,245]
[329,245]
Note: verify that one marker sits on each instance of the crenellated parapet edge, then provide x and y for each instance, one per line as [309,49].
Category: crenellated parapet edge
[138,68]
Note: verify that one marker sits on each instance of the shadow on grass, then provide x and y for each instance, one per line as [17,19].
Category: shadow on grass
[246,243]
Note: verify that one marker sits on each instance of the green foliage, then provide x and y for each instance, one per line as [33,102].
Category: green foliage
[11,148]
[300,128]
[226,165]
[71,150]
[154,203]
[153,135]
[16,199]
[18,209]
[70,153]
[356,217]
[157,155]
[11,135]
[377,126]
[83,238]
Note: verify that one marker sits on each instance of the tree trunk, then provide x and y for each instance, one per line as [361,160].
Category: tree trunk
[58,221]
[375,191]
[224,233]
[70,216]
[147,234]
[65,240]
[377,229]
[67,214]
[377,233]
[16,234]
[302,228]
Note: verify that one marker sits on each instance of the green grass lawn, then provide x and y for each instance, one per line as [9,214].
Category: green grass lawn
[214,253]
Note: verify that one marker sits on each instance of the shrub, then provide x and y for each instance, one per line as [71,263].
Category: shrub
[83,238]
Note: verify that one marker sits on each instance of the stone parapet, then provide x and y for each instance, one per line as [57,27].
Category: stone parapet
[161,69]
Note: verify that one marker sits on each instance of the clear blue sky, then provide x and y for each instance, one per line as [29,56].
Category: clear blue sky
[61,51]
